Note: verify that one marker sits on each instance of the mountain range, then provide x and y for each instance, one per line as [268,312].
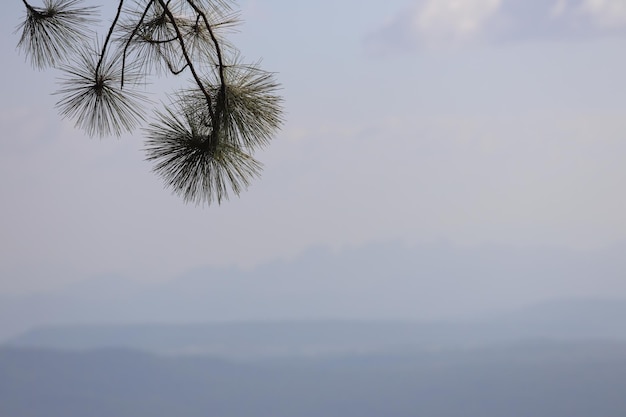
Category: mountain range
[387,281]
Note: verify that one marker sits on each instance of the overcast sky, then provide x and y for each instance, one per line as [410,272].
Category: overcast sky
[463,121]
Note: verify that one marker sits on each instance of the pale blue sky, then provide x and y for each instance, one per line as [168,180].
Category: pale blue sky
[471,122]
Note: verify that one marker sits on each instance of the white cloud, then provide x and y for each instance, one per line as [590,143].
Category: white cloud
[606,13]
[449,22]
[454,19]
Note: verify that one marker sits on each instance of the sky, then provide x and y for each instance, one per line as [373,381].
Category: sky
[470,122]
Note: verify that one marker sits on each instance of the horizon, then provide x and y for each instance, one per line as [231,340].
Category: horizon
[439,283]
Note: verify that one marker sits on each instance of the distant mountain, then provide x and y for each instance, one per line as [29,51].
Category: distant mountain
[390,281]
[572,320]
[527,380]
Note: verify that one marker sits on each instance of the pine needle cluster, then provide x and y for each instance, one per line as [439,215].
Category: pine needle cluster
[202,142]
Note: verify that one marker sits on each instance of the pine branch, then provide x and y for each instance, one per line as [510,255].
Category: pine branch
[203,141]
[190,63]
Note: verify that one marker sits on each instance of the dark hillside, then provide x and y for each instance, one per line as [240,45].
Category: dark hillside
[533,380]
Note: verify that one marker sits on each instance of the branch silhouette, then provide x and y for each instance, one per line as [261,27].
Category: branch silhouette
[203,140]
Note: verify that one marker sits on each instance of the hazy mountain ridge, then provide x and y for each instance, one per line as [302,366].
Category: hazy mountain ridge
[571,320]
[383,281]
[527,380]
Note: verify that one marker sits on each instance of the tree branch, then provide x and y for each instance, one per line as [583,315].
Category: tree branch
[130,38]
[173,70]
[221,98]
[30,8]
[218,49]
[189,61]
[108,38]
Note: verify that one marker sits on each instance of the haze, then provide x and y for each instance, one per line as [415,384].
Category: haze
[492,129]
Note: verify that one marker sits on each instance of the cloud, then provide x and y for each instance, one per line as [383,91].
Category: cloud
[606,13]
[436,23]
[453,19]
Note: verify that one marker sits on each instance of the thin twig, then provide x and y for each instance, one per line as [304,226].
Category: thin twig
[218,49]
[170,66]
[30,8]
[108,38]
[221,98]
[189,61]
[132,35]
